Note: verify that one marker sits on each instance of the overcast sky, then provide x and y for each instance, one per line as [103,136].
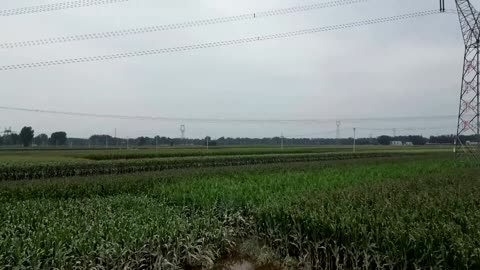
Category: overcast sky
[405,68]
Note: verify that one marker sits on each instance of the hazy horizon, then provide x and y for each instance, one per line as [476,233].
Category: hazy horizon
[404,68]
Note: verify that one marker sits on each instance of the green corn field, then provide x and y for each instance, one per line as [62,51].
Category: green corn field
[294,210]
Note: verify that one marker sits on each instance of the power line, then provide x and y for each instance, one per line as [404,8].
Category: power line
[405,129]
[309,134]
[366,129]
[218,43]
[159,28]
[223,120]
[55,7]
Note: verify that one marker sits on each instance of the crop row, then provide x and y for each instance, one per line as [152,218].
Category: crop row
[202,152]
[17,171]
[413,213]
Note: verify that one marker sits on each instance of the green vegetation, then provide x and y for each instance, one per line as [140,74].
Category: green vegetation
[403,212]
[20,165]
[26,136]
[219,151]
[21,171]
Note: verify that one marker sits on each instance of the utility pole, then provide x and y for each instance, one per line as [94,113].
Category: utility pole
[354,140]
[281,139]
[469,109]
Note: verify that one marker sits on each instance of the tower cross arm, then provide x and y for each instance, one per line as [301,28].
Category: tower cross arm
[469,22]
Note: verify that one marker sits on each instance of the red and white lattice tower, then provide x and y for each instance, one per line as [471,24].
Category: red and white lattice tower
[468,129]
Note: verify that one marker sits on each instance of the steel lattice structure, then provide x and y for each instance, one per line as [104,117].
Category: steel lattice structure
[468,128]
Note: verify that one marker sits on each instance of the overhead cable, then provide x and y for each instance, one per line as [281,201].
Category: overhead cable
[406,129]
[56,6]
[218,43]
[224,120]
[309,135]
[159,28]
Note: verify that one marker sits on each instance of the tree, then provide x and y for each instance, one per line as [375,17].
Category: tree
[444,139]
[141,141]
[384,140]
[101,140]
[418,140]
[26,136]
[12,139]
[208,141]
[41,139]
[58,138]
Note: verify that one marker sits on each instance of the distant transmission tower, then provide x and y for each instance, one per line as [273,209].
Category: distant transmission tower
[182,130]
[8,131]
[468,116]
[339,123]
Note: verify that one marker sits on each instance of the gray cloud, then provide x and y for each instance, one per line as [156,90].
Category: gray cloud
[396,69]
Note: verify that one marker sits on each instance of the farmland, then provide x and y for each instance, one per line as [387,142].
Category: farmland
[300,208]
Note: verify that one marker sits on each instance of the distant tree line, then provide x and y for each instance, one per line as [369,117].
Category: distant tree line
[107,140]
[26,138]
[415,140]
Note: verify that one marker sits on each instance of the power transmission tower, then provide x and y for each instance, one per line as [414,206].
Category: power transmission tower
[8,131]
[468,116]
[182,130]
[354,140]
[339,123]
[281,139]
